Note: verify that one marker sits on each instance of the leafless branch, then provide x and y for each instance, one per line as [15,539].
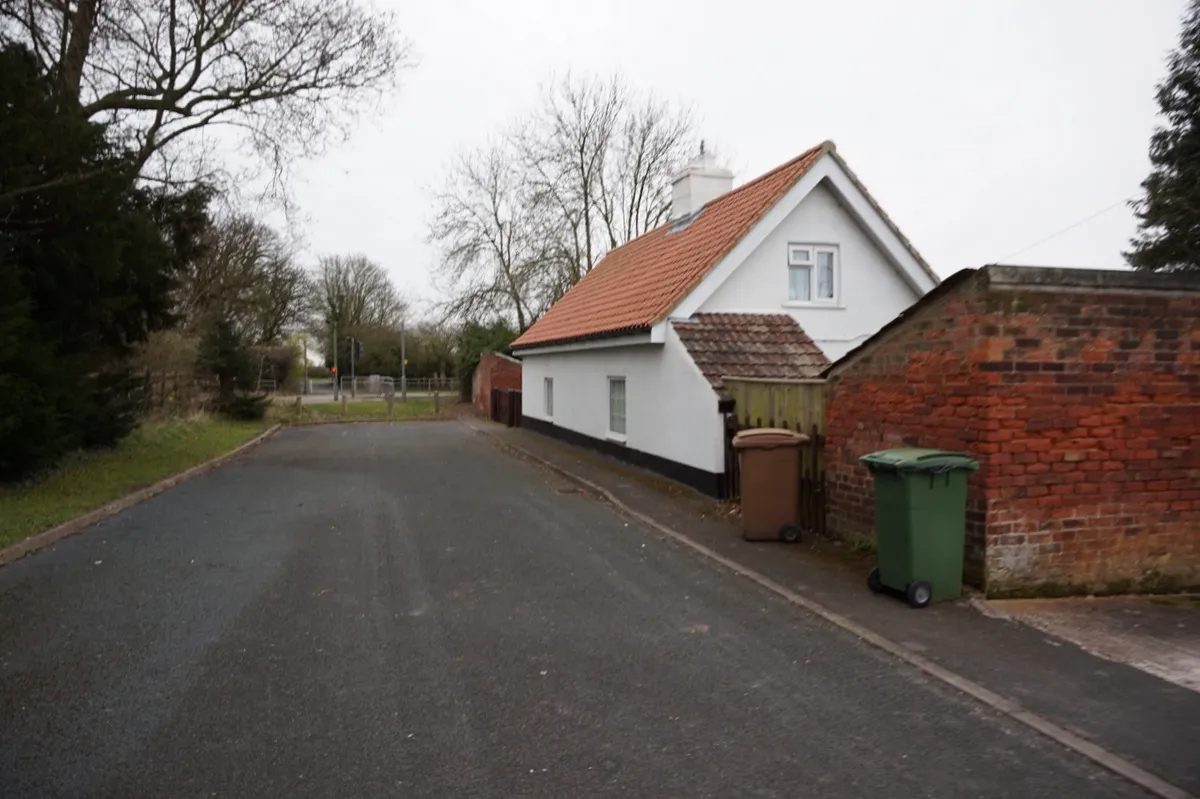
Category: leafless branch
[287,75]
[62,181]
[521,222]
[492,236]
[352,291]
[247,276]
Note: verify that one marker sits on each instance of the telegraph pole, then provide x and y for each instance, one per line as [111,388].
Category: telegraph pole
[304,355]
[337,379]
[353,382]
[403,366]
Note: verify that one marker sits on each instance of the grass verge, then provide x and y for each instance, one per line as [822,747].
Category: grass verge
[88,480]
[159,449]
[363,410]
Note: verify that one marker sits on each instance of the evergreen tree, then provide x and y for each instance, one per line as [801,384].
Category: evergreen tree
[225,355]
[474,340]
[1169,215]
[86,271]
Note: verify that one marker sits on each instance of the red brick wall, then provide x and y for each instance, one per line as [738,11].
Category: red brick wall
[1082,404]
[1097,484]
[494,371]
[916,387]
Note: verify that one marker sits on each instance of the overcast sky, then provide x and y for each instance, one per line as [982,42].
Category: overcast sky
[981,126]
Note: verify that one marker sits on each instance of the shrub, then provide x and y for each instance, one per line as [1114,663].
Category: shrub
[225,355]
[242,407]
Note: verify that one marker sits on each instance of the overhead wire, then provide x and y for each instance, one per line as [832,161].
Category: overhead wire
[1067,229]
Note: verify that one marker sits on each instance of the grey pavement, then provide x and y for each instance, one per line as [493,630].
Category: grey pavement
[1147,720]
[405,610]
[1157,634]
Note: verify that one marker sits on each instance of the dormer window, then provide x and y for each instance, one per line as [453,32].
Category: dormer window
[812,273]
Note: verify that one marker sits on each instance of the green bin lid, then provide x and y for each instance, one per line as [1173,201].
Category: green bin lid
[917,459]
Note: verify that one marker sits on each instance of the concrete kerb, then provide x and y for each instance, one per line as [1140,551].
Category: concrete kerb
[80,523]
[318,422]
[1097,754]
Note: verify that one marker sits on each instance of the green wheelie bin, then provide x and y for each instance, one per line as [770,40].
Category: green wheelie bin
[920,522]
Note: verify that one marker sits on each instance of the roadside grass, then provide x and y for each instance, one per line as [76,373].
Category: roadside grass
[87,480]
[161,448]
[369,410]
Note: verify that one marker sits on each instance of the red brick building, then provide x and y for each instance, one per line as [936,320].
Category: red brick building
[1079,392]
[495,370]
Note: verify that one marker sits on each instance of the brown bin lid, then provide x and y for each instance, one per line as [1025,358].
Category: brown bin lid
[768,438]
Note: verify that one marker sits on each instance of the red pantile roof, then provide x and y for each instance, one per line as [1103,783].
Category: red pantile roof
[770,346]
[637,284]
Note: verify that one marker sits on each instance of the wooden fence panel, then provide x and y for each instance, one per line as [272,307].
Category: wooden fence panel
[793,405]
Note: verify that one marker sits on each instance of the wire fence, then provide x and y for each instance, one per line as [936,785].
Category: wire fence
[382,385]
[183,392]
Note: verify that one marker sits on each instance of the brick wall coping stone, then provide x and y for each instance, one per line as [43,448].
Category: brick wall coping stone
[1046,277]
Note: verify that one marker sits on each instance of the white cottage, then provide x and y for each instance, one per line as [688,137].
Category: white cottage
[773,279]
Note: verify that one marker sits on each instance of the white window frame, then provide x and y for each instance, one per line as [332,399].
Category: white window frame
[548,396]
[795,262]
[618,435]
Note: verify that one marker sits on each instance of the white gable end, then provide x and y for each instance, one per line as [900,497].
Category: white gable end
[868,291]
[876,275]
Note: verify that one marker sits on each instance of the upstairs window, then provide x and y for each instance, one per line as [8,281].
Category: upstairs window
[812,273]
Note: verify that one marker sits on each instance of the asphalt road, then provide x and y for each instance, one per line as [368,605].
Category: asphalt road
[405,610]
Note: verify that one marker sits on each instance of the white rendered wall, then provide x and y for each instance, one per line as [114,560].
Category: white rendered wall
[871,292]
[670,409]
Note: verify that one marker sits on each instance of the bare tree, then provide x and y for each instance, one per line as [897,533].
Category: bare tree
[565,146]
[438,339]
[281,74]
[279,299]
[522,221]
[652,143]
[247,276]
[492,239]
[601,158]
[353,291]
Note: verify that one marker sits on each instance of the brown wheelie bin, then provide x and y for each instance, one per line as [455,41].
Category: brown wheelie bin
[770,467]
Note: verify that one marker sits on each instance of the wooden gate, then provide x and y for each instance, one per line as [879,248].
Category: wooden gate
[506,406]
[791,405]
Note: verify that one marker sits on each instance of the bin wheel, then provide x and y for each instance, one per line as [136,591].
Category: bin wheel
[789,533]
[919,594]
[874,581]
